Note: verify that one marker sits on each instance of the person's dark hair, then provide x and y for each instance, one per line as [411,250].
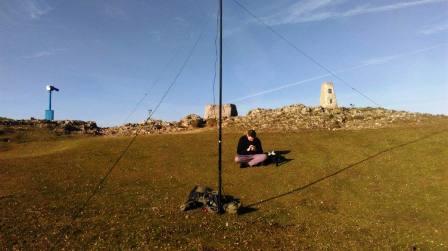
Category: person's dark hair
[252,133]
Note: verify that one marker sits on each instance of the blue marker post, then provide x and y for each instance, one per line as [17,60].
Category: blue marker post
[49,114]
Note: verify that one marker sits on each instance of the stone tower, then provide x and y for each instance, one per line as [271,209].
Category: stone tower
[327,95]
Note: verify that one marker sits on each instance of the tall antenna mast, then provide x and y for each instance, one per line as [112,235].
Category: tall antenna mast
[220,208]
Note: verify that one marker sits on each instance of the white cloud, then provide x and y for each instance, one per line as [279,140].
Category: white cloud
[379,60]
[260,93]
[181,21]
[318,10]
[156,35]
[45,53]
[15,11]
[35,9]
[429,30]
[385,59]
[114,11]
[302,11]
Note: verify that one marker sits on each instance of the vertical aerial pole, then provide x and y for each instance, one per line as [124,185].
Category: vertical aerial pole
[49,101]
[220,208]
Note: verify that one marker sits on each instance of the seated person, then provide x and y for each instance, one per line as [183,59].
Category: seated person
[249,151]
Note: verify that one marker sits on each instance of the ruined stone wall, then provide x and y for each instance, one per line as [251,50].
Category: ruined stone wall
[228,110]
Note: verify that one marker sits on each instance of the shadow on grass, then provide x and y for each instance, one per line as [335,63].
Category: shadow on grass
[283,152]
[246,210]
[279,159]
[284,161]
[343,169]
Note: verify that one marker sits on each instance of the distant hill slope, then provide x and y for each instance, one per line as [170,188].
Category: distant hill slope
[5,119]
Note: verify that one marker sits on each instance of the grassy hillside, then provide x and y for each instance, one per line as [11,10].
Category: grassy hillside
[369,189]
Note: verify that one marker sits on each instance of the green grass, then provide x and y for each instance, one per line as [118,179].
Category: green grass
[368,189]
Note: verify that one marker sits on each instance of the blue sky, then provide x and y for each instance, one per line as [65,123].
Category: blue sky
[105,55]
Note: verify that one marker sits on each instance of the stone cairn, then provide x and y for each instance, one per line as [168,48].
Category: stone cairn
[189,122]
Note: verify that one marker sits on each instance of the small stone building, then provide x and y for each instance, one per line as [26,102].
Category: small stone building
[327,95]
[212,111]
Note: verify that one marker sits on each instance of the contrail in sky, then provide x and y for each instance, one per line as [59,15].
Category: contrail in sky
[373,61]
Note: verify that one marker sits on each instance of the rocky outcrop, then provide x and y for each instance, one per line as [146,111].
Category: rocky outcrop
[288,118]
[192,121]
[60,126]
[189,122]
[295,117]
[149,127]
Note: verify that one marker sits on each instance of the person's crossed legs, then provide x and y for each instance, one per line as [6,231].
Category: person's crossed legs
[251,160]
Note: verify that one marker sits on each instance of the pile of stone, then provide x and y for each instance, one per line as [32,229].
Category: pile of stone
[189,122]
[295,117]
[60,126]
[192,121]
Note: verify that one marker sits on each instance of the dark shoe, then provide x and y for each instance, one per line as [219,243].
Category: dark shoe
[244,165]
